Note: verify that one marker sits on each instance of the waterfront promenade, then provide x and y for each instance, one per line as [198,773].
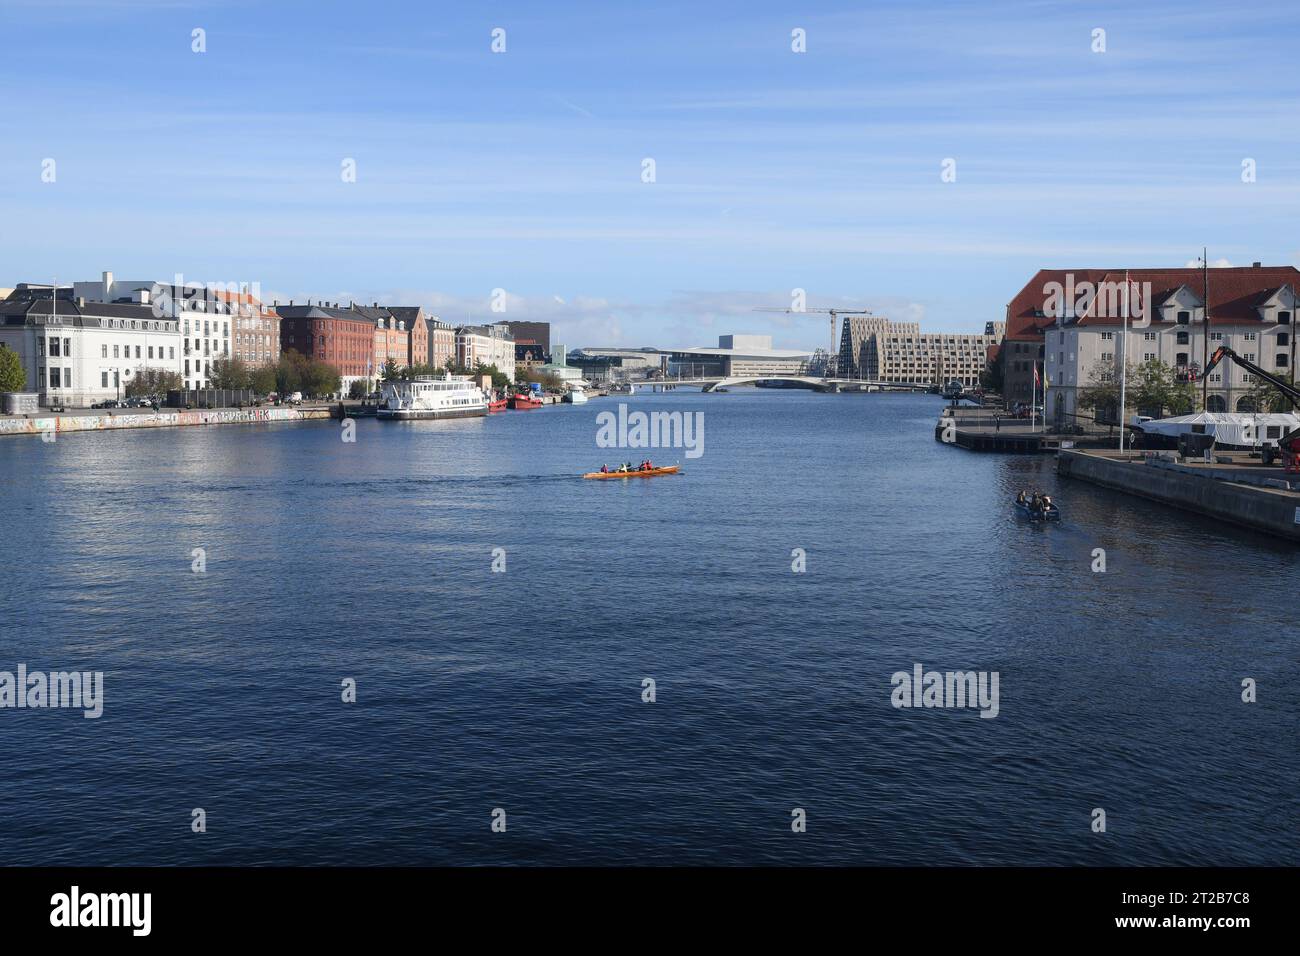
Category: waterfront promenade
[983,429]
[1232,487]
[84,420]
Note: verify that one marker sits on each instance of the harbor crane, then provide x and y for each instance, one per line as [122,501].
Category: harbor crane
[1288,444]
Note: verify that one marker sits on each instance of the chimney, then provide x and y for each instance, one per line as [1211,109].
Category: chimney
[107,282]
[1256,265]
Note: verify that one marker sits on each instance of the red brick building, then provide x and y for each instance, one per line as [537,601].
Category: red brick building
[340,337]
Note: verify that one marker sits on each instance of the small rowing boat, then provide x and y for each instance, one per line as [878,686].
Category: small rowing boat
[1052,513]
[647,473]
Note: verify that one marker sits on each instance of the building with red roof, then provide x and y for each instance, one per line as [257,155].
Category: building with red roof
[1069,323]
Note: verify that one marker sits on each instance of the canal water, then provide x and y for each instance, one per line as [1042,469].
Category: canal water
[523,690]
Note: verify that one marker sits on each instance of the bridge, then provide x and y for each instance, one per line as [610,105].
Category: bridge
[813,382]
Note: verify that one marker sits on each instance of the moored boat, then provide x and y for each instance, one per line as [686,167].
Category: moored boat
[635,473]
[497,405]
[576,395]
[523,400]
[428,396]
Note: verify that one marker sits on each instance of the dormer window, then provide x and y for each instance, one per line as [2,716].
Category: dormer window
[1284,318]
[1184,318]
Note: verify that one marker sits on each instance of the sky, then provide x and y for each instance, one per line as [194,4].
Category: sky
[525,170]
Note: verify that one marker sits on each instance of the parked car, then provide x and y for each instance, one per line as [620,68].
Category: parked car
[294,398]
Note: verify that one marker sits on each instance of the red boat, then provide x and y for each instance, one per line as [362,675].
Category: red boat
[497,405]
[524,401]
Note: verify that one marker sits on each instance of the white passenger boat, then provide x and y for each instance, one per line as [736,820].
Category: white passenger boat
[575,395]
[448,396]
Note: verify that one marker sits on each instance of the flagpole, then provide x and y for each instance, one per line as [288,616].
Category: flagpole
[1123,368]
[1042,422]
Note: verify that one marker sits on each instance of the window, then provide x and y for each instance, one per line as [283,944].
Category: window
[40,377]
[67,348]
[1180,358]
[1216,336]
[115,355]
[67,378]
[1149,336]
[137,351]
[1250,336]
[1107,336]
[54,346]
[103,350]
[54,378]
[151,351]
[1148,356]
[1281,360]
[1182,338]
[1283,338]
[103,379]
[171,351]
[1284,318]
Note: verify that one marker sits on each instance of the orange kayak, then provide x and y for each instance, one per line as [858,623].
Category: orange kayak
[652,473]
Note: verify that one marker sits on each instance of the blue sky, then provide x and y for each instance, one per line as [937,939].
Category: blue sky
[522,170]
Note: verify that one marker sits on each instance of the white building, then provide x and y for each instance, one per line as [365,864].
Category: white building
[739,356]
[932,357]
[218,320]
[1251,311]
[877,349]
[76,352]
[486,344]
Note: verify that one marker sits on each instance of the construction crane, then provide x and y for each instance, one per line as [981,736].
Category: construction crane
[1289,443]
[833,313]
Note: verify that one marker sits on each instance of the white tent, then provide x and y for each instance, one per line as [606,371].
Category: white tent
[1240,429]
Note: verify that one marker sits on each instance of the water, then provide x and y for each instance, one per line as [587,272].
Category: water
[522,690]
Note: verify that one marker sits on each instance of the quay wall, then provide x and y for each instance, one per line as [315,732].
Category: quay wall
[162,419]
[1272,511]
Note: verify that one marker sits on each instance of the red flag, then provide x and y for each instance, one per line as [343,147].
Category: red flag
[1037,381]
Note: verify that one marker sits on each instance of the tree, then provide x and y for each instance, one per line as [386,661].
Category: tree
[1266,397]
[229,373]
[288,374]
[359,389]
[1102,391]
[151,380]
[1155,386]
[262,380]
[548,380]
[991,377]
[12,376]
[320,379]
[390,373]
